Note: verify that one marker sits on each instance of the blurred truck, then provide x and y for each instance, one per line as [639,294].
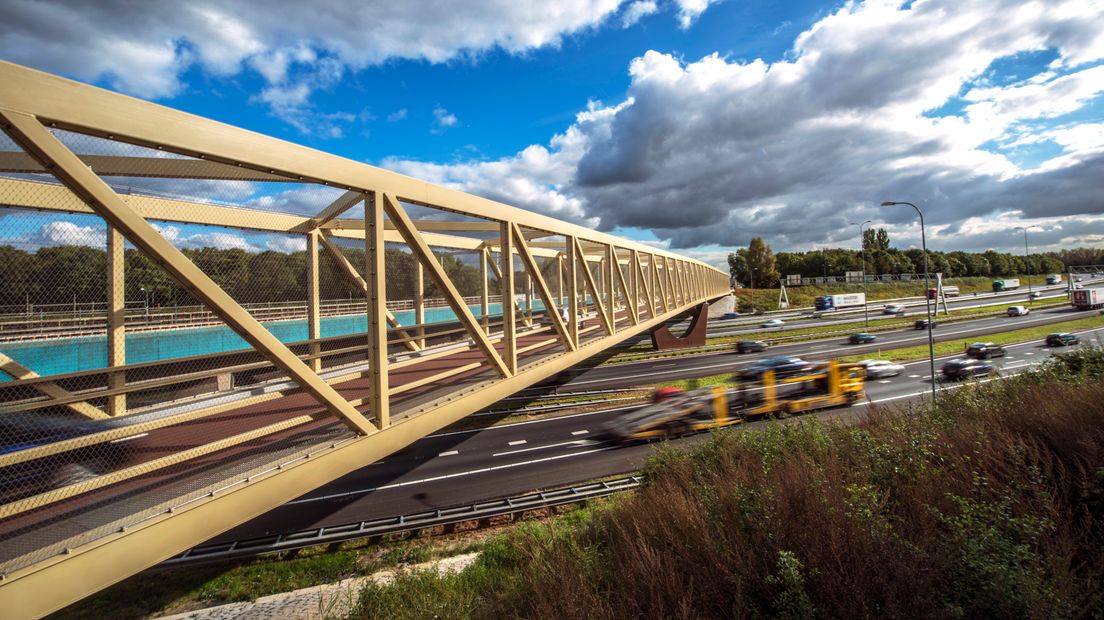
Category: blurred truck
[674,414]
[1087,298]
[1006,284]
[1054,278]
[835,302]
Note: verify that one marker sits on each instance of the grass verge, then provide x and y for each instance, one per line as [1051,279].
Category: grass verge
[989,504]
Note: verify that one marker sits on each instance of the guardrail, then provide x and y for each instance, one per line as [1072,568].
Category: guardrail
[442,517]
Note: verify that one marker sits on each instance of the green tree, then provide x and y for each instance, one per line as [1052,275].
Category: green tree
[16,276]
[760,262]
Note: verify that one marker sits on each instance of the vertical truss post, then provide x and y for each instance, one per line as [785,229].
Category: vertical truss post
[634,284]
[611,287]
[484,302]
[423,253]
[669,276]
[572,291]
[559,282]
[528,300]
[506,282]
[683,289]
[116,319]
[30,134]
[375,271]
[419,303]
[314,320]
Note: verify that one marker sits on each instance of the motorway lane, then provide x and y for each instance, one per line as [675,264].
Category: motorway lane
[802,319]
[650,371]
[455,468]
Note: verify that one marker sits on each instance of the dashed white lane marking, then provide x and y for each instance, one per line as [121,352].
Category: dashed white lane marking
[449,453]
[885,381]
[666,365]
[1030,353]
[517,443]
[577,442]
[914,376]
[583,432]
[569,455]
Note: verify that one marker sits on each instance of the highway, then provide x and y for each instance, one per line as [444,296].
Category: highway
[455,468]
[703,365]
[802,318]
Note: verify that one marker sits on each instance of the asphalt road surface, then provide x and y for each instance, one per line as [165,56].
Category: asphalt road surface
[455,468]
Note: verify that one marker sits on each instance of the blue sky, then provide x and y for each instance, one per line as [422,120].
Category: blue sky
[690,124]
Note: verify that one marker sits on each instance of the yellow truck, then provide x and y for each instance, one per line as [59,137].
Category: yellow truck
[832,385]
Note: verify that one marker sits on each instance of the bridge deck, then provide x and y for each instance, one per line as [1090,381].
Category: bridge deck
[49,529]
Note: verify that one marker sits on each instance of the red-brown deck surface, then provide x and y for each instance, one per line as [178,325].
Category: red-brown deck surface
[66,515]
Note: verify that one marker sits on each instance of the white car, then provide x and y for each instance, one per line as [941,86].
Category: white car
[1018,311]
[893,309]
[876,369]
[773,323]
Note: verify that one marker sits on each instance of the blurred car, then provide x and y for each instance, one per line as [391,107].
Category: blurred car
[1061,339]
[29,430]
[985,350]
[730,315]
[751,346]
[782,366]
[861,338]
[893,309]
[1018,311]
[923,324]
[877,369]
[965,368]
[1034,294]
[772,323]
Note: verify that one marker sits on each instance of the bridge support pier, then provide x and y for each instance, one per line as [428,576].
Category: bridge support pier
[664,340]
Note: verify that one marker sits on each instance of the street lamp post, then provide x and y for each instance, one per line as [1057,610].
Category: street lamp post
[1026,267]
[862,242]
[145,299]
[927,286]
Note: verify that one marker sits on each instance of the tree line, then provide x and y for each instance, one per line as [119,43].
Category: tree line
[67,274]
[757,266]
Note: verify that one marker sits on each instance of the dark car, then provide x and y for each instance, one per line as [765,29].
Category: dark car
[985,350]
[923,324]
[966,368]
[730,315]
[782,367]
[861,338]
[751,346]
[1061,339]
[31,430]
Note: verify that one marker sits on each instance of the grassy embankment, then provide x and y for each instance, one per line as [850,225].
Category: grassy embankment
[989,505]
[749,300]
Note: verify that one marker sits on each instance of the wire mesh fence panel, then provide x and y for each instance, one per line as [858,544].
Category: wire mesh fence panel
[83,434]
